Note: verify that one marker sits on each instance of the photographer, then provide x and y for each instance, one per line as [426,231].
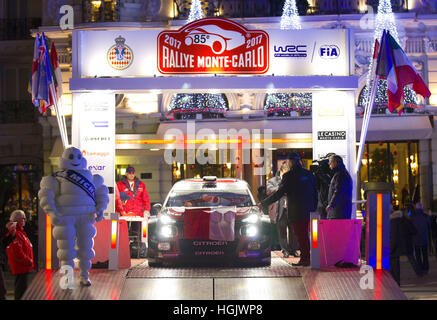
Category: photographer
[323,179]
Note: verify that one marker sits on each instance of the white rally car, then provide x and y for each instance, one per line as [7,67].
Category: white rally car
[215,37]
[210,220]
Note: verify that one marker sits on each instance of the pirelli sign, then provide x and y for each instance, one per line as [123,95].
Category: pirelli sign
[331,135]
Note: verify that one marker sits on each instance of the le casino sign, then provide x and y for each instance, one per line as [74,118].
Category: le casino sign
[213,45]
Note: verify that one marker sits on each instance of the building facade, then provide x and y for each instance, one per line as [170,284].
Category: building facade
[400,149]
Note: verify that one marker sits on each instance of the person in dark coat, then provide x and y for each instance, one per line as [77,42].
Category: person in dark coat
[323,180]
[300,187]
[402,231]
[278,213]
[421,239]
[5,240]
[433,220]
[340,190]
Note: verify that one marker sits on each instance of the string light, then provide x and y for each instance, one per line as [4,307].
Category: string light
[283,104]
[186,106]
[196,11]
[290,16]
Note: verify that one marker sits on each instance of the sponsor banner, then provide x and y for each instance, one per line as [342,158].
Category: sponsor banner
[94,121]
[309,52]
[212,46]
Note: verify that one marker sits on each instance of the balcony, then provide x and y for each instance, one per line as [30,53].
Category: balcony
[18,29]
[20,111]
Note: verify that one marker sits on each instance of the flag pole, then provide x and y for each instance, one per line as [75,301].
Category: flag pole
[62,128]
[365,125]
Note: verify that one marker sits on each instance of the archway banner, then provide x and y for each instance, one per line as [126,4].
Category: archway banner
[212,46]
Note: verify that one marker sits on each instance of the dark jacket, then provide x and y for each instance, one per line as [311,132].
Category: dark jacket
[402,231]
[423,225]
[340,194]
[276,209]
[5,240]
[323,181]
[300,187]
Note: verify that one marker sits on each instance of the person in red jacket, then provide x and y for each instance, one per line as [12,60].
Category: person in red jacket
[138,203]
[20,252]
[135,202]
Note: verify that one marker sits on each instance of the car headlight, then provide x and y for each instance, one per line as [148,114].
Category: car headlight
[165,219]
[251,231]
[168,231]
[253,218]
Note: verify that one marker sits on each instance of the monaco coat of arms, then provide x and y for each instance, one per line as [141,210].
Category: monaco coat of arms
[120,56]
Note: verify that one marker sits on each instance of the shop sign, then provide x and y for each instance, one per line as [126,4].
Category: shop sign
[213,46]
[331,135]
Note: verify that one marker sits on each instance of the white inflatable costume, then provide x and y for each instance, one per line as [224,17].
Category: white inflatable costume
[74,199]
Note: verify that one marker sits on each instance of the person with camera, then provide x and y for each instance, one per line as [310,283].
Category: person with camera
[323,176]
[300,187]
[340,190]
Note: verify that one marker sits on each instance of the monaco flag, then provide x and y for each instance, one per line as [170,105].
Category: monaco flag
[394,65]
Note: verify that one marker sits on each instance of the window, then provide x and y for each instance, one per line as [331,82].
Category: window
[288,104]
[394,162]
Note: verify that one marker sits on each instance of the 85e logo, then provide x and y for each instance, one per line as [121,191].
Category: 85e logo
[329,51]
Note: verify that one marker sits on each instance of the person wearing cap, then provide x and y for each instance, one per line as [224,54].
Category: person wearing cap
[340,190]
[20,252]
[300,187]
[138,202]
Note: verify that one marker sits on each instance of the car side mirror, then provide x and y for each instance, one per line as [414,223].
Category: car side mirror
[157,207]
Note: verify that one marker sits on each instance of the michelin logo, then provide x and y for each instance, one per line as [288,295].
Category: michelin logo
[329,51]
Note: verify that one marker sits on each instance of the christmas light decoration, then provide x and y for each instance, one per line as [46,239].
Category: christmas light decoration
[196,11]
[380,104]
[186,106]
[288,104]
[290,16]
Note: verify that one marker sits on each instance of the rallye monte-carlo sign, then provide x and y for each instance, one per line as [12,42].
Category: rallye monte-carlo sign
[213,45]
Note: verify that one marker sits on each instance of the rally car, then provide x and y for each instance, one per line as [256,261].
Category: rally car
[209,221]
[215,37]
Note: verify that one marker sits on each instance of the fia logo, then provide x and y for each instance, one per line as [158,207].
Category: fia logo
[329,51]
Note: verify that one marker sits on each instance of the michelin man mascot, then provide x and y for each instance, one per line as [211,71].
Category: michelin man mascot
[74,199]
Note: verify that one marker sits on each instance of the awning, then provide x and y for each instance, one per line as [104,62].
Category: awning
[384,128]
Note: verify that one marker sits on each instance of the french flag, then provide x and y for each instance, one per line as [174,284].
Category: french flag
[394,65]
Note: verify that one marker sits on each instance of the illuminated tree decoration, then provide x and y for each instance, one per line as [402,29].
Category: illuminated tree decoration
[290,16]
[380,105]
[196,11]
[288,104]
[186,106]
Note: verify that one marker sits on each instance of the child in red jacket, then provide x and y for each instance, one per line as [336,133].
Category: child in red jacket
[20,253]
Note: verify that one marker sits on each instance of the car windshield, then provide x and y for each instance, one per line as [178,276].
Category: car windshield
[198,199]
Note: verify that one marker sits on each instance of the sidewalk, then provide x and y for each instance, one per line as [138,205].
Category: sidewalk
[419,288]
